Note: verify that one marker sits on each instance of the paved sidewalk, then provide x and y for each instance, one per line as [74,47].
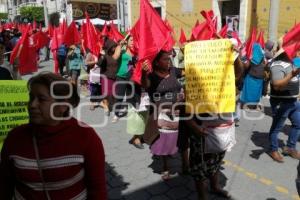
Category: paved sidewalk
[248,172]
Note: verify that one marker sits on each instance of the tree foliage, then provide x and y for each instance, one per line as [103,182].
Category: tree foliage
[32,13]
[3,16]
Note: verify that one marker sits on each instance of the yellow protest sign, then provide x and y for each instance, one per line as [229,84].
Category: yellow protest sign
[13,106]
[210,79]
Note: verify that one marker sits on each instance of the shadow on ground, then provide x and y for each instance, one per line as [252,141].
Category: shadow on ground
[178,187]
[261,139]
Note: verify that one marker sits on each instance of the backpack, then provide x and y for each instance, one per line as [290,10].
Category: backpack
[62,50]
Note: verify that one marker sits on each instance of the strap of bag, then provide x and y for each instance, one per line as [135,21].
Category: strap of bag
[36,151]
[202,144]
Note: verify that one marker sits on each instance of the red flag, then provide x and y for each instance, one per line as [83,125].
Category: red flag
[203,31]
[114,34]
[291,50]
[90,37]
[50,31]
[41,39]
[223,31]
[210,18]
[28,57]
[153,36]
[105,30]
[182,38]
[72,35]
[170,42]
[34,25]
[193,38]
[25,50]
[197,23]
[292,36]
[57,39]
[20,43]
[63,26]
[250,42]
[261,40]
[134,32]
[207,29]
[169,26]
[208,15]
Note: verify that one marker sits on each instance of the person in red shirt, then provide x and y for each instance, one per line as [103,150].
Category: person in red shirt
[54,156]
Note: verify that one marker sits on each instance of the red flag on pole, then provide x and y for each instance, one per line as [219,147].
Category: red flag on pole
[105,31]
[41,39]
[63,26]
[114,34]
[223,31]
[203,31]
[90,37]
[208,15]
[261,40]
[153,36]
[20,43]
[72,35]
[182,38]
[169,26]
[134,32]
[25,50]
[292,36]
[291,50]
[34,26]
[57,39]
[250,42]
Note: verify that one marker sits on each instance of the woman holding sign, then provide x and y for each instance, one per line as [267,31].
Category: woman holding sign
[54,156]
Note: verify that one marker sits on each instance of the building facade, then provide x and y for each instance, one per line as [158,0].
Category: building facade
[52,6]
[240,14]
[3,6]
[103,9]
[73,9]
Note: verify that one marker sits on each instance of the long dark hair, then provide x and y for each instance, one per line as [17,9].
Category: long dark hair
[158,57]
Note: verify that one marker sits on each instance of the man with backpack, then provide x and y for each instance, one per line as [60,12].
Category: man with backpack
[61,57]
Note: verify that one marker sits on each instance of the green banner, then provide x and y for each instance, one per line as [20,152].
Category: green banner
[13,106]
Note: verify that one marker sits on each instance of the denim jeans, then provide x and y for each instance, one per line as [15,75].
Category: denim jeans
[283,109]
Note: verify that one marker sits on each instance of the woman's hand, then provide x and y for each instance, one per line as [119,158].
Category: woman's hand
[146,66]
[201,131]
[295,72]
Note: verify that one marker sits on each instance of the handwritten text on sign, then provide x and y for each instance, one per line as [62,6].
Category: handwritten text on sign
[13,106]
[210,81]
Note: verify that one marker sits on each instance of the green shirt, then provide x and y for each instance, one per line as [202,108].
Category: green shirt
[123,70]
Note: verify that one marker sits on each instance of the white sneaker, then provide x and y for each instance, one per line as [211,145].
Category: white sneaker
[115,119]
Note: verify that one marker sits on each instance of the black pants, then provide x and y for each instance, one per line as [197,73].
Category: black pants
[123,87]
[61,63]
[95,89]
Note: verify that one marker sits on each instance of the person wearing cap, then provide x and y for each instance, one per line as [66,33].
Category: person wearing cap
[284,104]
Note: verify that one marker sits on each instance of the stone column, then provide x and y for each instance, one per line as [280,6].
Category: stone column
[273,19]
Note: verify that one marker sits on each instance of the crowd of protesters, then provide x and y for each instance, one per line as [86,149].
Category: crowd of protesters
[267,71]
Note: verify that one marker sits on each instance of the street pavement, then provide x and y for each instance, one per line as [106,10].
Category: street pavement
[248,173]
